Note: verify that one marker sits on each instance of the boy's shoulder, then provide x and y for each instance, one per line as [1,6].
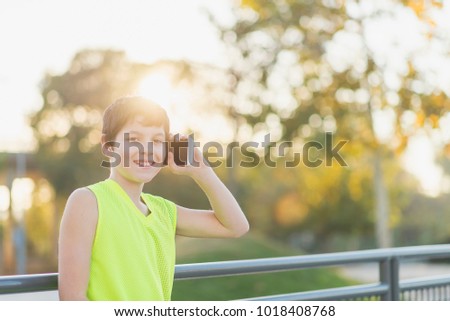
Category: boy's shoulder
[82,194]
[100,186]
[83,201]
[99,183]
[159,200]
[155,198]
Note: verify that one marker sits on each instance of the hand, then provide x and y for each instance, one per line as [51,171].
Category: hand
[198,167]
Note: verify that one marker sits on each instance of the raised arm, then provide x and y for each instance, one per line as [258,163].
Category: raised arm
[225,219]
[76,237]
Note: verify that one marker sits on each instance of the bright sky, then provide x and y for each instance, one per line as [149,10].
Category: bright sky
[41,36]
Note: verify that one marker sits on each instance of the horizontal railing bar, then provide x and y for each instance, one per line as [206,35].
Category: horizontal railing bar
[347,292]
[239,267]
[419,283]
[28,283]
[423,251]
[48,282]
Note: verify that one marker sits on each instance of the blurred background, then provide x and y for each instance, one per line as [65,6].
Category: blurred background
[375,73]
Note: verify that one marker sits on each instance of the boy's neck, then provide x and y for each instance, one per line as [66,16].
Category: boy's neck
[133,189]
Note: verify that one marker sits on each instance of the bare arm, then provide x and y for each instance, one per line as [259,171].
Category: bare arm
[76,237]
[226,218]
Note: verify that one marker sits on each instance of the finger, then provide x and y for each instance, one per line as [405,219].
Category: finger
[198,155]
[170,159]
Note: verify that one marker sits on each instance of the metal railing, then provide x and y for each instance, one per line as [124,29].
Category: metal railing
[389,286]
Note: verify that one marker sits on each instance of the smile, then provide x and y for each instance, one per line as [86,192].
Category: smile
[143,163]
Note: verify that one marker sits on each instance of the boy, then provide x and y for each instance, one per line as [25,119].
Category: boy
[118,243]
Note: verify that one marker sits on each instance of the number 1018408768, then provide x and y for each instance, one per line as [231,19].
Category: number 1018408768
[298,310]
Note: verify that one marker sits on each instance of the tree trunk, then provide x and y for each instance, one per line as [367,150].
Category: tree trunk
[59,204]
[9,263]
[381,204]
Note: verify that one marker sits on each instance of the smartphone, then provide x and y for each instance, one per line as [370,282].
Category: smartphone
[182,149]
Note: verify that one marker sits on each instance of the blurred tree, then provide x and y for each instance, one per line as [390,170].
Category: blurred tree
[39,219]
[314,208]
[308,67]
[425,221]
[68,126]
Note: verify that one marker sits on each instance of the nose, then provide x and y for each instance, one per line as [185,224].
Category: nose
[154,153]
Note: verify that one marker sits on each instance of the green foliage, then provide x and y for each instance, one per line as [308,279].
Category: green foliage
[293,73]
[424,221]
[245,286]
[286,51]
[39,220]
[68,126]
[321,204]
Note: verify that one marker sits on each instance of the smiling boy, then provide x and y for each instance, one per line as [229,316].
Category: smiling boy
[118,243]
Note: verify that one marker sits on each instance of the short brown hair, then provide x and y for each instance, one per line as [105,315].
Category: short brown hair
[126,108]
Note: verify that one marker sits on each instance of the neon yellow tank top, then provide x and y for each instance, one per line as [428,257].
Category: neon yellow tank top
[133,255]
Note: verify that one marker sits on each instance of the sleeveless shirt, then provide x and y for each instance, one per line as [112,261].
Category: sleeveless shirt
[133,255]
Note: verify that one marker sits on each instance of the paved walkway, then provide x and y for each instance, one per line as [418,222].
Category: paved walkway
[36,296]
[368,272]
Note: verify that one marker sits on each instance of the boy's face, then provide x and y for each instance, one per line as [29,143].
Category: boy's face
[141,149]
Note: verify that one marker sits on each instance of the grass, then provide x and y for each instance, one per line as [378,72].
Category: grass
[245,286]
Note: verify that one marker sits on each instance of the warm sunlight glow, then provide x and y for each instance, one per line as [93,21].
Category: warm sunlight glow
[158,88]
[21,192]
[384,124]
[419,159]
[4,202]
[178,98]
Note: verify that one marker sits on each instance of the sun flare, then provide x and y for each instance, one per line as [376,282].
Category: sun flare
[157,87]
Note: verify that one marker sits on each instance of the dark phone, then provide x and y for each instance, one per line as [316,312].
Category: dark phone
[180,149]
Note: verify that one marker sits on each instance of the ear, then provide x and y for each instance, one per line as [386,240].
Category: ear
[103,139]
[105,145]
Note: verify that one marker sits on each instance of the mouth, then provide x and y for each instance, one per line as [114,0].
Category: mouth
[144,164]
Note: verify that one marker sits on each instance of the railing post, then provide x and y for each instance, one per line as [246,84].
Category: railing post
[395,279]
[389,274]
[385,278]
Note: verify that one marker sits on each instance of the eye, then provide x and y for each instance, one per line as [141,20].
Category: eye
[132,139]
[157,141]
